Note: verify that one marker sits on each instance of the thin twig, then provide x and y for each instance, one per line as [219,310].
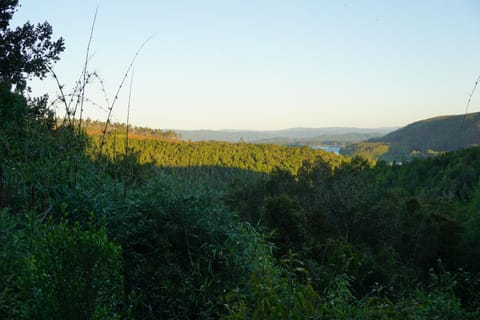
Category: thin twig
[128,110]
[62,94]
[466,111]
[102,86]
[470,100]
[78,88]
[126,139]
[70,95]
[130,66]
[85,68]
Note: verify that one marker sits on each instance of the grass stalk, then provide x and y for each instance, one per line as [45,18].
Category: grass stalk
[125,178]
[110,109]
[85,66]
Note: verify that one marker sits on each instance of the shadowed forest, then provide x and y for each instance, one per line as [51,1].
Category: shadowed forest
[113,226]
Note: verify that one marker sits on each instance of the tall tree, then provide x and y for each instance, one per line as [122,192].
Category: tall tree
[25,51]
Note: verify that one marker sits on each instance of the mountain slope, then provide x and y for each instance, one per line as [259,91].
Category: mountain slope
[422,138]
[445,133]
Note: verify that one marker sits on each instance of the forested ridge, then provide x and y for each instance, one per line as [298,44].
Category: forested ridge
[178,230]
[423,138]
[255,157]
[96,128]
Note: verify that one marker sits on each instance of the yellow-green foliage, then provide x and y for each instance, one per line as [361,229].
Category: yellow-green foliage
[254,157]
[368,150]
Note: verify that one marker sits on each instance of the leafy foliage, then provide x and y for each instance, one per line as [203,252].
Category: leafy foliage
[179,230]
[253,157]
[57,271]
[371,151]
[421,139]
[26,50]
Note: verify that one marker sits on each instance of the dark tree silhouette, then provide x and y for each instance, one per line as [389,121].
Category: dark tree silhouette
[25,51]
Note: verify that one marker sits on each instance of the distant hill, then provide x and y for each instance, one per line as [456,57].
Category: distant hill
[325,139]
[292,136]
[445,133]
[305,136]
[423,138]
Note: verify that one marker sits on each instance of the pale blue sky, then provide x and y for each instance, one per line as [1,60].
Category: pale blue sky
[272,64]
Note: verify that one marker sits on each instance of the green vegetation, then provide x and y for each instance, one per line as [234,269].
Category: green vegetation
[178,230]
[337,139]
[95,128]
[210,161]
[372,151]
[446,133]
[424,138]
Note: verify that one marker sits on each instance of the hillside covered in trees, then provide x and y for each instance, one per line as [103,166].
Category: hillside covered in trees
[213,159]
[422,138]
[440,134]
[96,128]
[93,228]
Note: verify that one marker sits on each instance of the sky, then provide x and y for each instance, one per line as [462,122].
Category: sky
[265,64]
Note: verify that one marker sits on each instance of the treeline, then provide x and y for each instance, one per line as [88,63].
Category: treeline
[219,160]
[421,139]
[446,133]
[389,152]
[96,128]
[372,151]
[397,240]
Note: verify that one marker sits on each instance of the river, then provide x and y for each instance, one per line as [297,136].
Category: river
[334,149]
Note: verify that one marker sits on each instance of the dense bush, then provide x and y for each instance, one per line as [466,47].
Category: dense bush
[58,271]
[153,231]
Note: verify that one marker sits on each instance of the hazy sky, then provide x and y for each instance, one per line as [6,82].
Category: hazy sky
[271,64]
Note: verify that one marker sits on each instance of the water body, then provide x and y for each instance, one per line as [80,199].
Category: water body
[334,149]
